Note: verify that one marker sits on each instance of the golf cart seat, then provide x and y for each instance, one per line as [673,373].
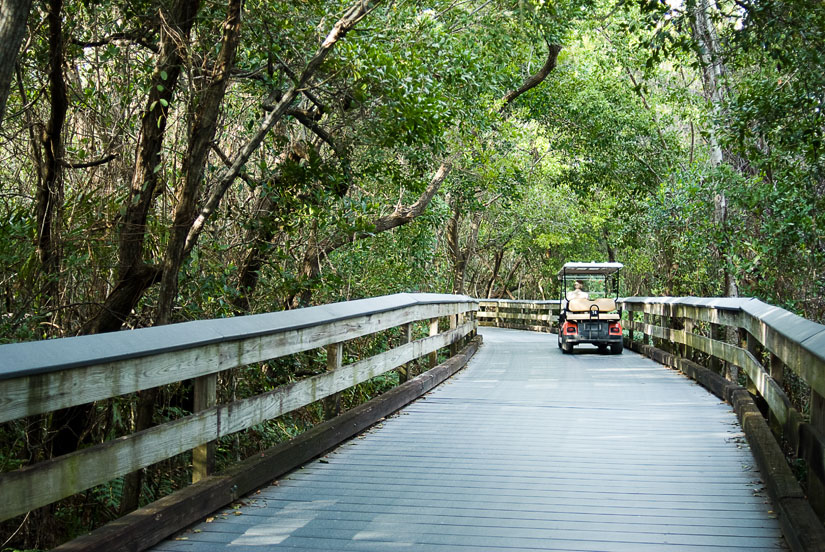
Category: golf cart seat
[583,309]
[604,304]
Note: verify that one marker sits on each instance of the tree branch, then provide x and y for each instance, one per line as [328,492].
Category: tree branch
[536,79]
[356,13]
[131,36]
[88,164]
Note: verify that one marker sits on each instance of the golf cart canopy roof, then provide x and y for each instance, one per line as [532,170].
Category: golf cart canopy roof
[589,269]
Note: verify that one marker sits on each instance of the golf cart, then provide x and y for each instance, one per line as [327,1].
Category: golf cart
[588,306]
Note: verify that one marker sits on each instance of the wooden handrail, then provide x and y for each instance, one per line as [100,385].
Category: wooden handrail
[40,377]
[761,331]
[539,316]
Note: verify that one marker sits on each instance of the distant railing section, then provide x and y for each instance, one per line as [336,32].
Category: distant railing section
[42,377]
[537,316]
[745,339]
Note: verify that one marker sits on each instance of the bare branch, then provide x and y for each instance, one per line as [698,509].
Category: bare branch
[131,36]
[89,164]
[355,14]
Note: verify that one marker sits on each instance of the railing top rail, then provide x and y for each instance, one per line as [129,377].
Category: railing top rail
[723,303]
[37,357]
[520,301]
[808,335]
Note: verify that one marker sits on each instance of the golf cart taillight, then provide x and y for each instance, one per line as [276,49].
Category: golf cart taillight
[570,329]
[615,328]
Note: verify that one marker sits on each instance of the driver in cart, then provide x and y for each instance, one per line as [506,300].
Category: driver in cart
[578,292]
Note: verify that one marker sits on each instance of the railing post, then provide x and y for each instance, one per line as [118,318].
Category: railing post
[630,321]
[668,323]
[433,360]
[657,320]
[675,323]
[687,350]
[206,396]
[406,337]
[647,339]
[716,333]
[332,404]
[777,368]
[816,487]
[453,325]
[733,337]
[753,348]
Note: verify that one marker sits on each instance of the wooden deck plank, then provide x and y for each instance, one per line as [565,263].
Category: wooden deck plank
[497,519]
[463,535]
[511,517]
[527,449]
[569,498]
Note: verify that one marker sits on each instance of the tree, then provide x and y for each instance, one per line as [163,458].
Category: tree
[13,15]
[403,214]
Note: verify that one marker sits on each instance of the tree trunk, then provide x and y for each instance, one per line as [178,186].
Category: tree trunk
[510,274]
[499,256]
[13,16]
[713,69]
[257,237]
[135,276]
[459,256]
[49,195]
[453,247]
[611,252]
[713,72]
[402,215]
[69,424]
[350,19]
[133,482]
[200,138]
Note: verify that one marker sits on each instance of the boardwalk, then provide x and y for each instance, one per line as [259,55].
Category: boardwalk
[526,450]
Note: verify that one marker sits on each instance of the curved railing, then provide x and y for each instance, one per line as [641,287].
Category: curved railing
[738,339]
[720,342]
[42,377]
[747,341]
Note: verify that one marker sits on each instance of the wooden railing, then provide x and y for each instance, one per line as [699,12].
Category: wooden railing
[537,316]
[42,377]
[729,336]
[747,341]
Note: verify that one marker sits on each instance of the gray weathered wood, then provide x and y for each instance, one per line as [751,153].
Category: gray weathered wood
[518,314]
[514,315]
[28,387]
[203,456]
[433,358]
[150,524]
[799,343]
[406,337]
[527,449]
[791,341]
[46,482]
[769,389]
